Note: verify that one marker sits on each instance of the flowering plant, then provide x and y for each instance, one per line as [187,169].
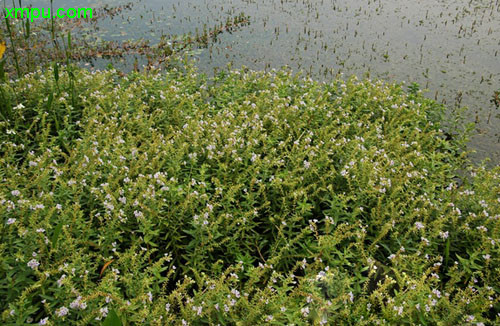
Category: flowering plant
[248,198]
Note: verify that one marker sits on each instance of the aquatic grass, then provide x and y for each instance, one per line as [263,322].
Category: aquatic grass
[246,198]
[12,42]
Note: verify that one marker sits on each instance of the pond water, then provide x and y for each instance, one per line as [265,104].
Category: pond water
[450,47]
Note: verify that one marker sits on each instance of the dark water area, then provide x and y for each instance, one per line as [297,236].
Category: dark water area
[449,47]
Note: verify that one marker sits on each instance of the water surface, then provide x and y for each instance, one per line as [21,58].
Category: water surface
[450,47]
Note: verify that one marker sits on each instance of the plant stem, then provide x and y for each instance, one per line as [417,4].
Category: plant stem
[13,46]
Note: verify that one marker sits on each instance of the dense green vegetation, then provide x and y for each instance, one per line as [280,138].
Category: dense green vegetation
[250,198]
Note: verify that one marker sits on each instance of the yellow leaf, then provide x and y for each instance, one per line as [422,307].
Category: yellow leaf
[2,49]
[105,266]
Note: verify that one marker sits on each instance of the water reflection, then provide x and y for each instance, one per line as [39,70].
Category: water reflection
[448,46]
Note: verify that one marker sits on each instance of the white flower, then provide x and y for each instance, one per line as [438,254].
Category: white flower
[307,165]
[482,228]
[33,264]
[399,310]
[305,311]
[321,275]
[43,321]
[104,311]
[15,193]
[19,106]
[437,293]
[150,296]
[63,311]
[419,225]
[11,221]
[236,293]
[198,310]
[60,280]
[78,304]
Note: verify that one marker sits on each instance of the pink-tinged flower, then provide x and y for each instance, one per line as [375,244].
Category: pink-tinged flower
[104,311]
[61,312]
[305,311]
[33,264]
[198,310]
[150,296]
[399,310]
[443,235]
[419,225]
[78,304]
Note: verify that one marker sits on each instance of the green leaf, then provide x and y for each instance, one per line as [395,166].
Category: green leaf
[56,72]
[69,41]
[55,236]
[447,252]
[2,70]
[112,319]
[422,319]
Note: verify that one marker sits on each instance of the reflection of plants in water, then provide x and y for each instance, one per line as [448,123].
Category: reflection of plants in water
[41,43]
[496,99]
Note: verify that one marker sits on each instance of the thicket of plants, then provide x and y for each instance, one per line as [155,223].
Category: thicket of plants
[245,199]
